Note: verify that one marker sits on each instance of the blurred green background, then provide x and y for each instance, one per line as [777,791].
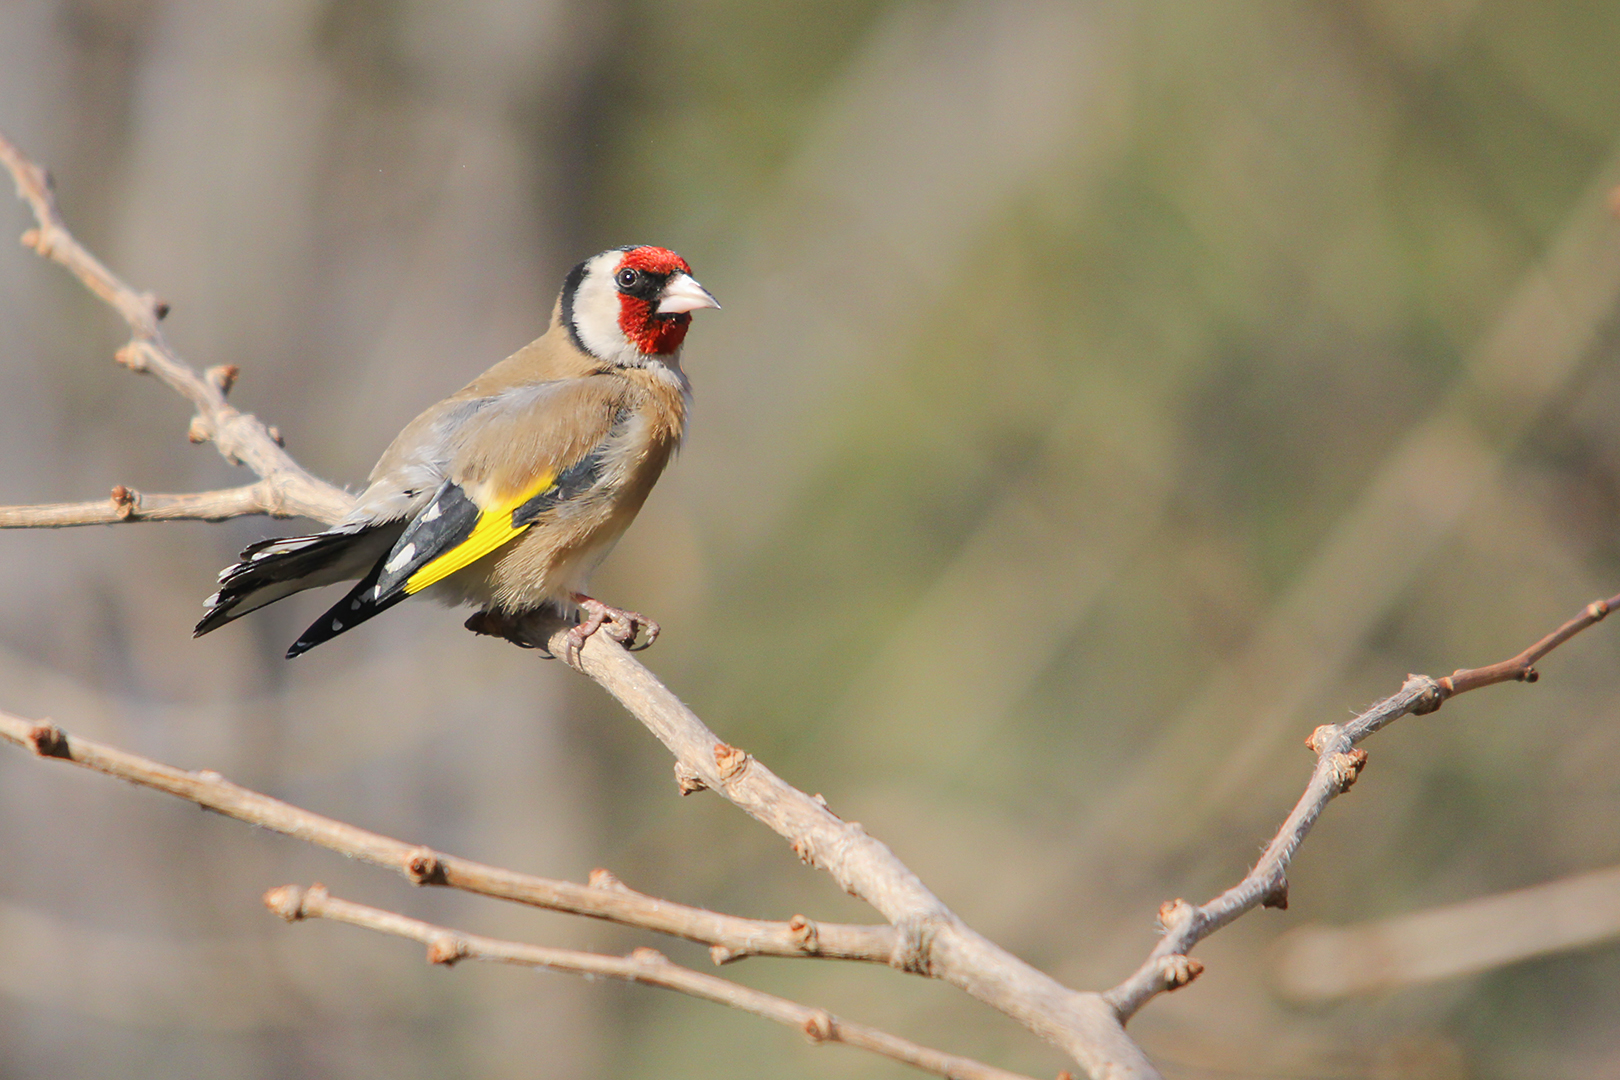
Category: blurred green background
[1106,395]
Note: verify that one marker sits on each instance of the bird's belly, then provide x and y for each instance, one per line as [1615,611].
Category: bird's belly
[547,566]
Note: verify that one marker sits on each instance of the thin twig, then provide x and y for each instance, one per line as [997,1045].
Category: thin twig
[1338,764]
[239,436]
[126,505]
[730,937]
[648,966]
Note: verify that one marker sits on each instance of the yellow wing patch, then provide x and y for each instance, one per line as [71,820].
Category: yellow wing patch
[493,529]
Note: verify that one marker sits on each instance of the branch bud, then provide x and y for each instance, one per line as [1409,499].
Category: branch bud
[48,740]
[287,901]
[424,867]
[1347,767]
[129,355]
[729,760]
[688,781]
[819,1027]
[1174,914]
[805,933]
[126,501]
[446,949]
[606,879]
[1179,970]
[1319,739]
[223,377]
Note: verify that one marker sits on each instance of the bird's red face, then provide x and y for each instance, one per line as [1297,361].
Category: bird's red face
[640,275]
[632,305]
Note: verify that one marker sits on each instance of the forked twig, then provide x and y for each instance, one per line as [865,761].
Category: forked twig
[1338,763]
[605,897]
[240,437]
[647,966]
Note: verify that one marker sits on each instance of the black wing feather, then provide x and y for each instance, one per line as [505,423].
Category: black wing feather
[442,525]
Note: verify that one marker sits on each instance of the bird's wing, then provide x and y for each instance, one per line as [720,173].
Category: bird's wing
[515,459]
[528,451]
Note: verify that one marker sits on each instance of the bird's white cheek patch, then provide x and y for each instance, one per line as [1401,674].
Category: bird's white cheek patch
[596,313]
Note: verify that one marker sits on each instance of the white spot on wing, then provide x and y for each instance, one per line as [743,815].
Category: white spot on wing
[337,624]
[405,555]
[432,513]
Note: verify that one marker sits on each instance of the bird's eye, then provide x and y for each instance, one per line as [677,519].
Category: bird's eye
[627,278]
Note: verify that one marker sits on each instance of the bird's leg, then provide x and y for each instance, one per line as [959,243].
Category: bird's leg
[619,624]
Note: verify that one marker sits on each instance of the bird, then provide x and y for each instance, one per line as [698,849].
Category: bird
[508,493]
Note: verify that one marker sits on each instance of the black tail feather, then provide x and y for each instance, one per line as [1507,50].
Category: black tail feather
[276,568]
[359,605]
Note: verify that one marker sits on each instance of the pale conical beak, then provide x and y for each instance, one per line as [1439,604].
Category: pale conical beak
[682,293]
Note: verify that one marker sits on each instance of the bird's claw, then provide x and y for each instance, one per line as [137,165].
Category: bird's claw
[617,623]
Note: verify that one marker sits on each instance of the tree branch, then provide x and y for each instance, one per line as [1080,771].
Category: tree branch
[126,504]
[1338,764]
[606,897]
[647,966]
[239,436]
[935,941]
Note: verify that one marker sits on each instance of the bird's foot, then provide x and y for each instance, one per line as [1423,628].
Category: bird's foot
[500,624]
[620,625]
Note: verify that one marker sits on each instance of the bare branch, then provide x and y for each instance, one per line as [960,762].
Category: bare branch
[126,504]
[935,941]
[930,938]
[1338,764]
[730,937]
[1521,668]
[647,966]
[239,436]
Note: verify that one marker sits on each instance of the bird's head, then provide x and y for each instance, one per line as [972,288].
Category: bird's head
[632,305]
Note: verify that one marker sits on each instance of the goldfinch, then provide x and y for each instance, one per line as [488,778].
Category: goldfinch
[508,493]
